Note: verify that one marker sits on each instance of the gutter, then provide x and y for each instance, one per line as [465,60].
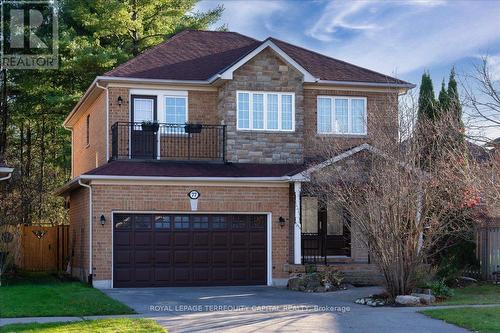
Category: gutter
[207,179]
[91,272]
[369,84]
[6,170]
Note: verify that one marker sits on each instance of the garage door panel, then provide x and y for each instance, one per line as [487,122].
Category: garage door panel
[162,238]
[162,257]
[201,239]
[239,257]
[220,257]
[123,238]
[142,238]
[182,238]
[182,257]
[220,239]
[239,273]
[201,257]
[239,239]
[182,274]
[201,274]
[143,257]
[163,274]
[189,249]
[123,257]
[143,274]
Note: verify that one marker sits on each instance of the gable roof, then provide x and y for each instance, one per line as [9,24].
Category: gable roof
[202,55]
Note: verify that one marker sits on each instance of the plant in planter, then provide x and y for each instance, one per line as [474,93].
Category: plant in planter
[193,128]
[150,126]
[331,278]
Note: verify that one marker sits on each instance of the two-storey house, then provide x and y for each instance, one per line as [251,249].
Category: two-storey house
[188,162]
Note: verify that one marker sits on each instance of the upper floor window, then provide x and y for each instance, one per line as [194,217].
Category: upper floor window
[176,109]
[342,115]
[87,134]
[270,111]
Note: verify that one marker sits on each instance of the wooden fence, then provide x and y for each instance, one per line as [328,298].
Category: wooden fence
[44,248]
[488,245]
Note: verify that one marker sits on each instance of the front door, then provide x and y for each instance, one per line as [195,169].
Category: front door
[333,224]
[143,134]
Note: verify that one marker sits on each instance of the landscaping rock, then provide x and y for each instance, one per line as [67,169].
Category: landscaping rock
[426,299]
[407,300]
[296,283]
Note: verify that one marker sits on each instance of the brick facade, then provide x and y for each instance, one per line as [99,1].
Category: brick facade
[89,156]
[172,198]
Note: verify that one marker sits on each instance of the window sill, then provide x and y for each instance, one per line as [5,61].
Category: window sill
[266,131]
[343,136]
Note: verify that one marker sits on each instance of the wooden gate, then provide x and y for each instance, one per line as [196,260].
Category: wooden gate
[489,251]
[44,248]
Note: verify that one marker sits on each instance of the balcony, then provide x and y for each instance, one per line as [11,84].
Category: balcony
[158,141]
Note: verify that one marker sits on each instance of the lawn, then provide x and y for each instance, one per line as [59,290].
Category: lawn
[482,320]
[122,325]
[475,294]
[42,295]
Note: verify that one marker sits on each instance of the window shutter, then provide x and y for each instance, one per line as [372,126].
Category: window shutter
[309,214]
[335,221]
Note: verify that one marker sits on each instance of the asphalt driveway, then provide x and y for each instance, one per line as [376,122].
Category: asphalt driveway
[267,309]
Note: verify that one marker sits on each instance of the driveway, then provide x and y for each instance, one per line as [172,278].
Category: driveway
[267,309]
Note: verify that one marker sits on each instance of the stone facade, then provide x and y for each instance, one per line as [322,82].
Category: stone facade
[265,72]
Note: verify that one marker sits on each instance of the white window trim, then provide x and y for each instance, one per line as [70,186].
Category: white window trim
[265,99]
[164,111]
[161,96]
[349,116]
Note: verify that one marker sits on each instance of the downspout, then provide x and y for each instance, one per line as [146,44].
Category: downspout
[297,233]
[6,177]
[107,117]
[91,271]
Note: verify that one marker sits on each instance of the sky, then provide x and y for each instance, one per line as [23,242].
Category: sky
[402,38]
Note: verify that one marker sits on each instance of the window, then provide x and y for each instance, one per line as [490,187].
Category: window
[88,131]
[176,110]
[265,111]
[162,222]
[341,115]
[181,222]
[143,110]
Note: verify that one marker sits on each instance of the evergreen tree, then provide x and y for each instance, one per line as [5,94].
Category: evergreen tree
[444,99]
[426,99]
[454,98]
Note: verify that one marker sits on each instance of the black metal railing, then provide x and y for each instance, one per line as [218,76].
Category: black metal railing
[317,247]
[158,141]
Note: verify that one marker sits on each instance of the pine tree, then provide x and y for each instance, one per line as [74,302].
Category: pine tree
[426,99]
[454,98]
[444,98]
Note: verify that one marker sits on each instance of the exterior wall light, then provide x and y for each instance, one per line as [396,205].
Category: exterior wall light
[103,220]
[281,221]
[120,101]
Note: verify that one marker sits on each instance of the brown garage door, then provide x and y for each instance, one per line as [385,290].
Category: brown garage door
[189,250]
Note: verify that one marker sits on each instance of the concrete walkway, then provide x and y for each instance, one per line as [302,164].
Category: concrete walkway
[265,309]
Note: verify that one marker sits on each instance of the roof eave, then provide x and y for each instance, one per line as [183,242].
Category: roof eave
[369,84]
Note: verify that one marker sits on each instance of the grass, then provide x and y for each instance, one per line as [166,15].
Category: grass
[122,325]
[474,294]
[43,295]
[482,320]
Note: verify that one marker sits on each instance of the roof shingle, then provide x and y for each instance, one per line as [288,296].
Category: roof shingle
[186,169]
[199,55]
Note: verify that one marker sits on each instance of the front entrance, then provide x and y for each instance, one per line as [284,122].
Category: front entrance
[325,231]
[160,250]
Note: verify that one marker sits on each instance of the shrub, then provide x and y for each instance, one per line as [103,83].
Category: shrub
[440,289]
[310,268]
[331,276]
